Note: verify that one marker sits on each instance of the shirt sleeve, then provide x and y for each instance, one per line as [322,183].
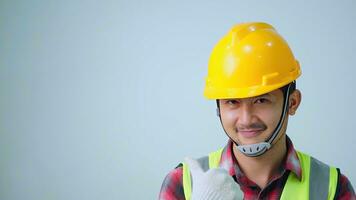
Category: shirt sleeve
[345,190]
[172,186]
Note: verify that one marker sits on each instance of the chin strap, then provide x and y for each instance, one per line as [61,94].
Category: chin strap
[257,149]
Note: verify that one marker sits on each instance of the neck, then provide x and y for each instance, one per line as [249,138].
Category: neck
[262,168]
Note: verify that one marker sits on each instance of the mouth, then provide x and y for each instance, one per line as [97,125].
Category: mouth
[250,133]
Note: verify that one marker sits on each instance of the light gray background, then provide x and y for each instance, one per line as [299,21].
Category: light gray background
[100,99]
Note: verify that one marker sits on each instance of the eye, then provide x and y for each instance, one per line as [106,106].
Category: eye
[262,101]
[231,102]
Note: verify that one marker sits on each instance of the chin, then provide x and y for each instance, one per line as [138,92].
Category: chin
[251,140]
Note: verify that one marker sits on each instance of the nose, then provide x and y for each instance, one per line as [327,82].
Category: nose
[245,115]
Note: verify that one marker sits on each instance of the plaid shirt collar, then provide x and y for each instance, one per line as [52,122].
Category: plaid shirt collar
[291,163]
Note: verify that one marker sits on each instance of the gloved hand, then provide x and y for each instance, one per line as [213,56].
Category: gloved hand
[214,184]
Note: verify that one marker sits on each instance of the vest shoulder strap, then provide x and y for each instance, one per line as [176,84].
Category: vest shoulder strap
[214,158]
[318,180]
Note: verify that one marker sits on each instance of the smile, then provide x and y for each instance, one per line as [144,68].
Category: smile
[250,133]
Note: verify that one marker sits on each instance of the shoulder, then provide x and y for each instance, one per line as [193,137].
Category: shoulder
[172,186]
[344,188]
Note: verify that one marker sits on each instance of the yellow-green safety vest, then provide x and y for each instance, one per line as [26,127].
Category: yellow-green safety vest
[318,181]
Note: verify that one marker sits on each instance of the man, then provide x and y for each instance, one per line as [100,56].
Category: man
[252,76]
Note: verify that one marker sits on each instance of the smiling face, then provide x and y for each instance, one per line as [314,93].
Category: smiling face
[253,120]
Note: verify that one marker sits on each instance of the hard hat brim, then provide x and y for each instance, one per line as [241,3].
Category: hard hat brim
[237,93]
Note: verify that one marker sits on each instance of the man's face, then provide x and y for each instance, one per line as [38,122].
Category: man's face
[252,120]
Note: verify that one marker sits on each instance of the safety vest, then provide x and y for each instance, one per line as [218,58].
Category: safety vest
[318,181]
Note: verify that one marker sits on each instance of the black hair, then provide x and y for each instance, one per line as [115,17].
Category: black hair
[293,86]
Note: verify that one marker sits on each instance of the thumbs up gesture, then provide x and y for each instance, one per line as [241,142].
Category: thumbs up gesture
[214,184]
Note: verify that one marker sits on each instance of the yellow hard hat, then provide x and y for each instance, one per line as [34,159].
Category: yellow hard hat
[252,59]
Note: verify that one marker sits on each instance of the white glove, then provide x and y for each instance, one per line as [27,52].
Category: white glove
[214,184]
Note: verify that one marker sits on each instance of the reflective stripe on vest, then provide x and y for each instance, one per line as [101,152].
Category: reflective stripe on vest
[318,181]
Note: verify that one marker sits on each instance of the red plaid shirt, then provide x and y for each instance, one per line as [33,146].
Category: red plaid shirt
[172,187]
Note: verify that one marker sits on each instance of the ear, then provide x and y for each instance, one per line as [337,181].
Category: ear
[294,101]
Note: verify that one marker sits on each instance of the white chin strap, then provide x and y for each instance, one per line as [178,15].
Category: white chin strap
[254,150]
[257,149]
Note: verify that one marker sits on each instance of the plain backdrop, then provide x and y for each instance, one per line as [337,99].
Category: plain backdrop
[101,99]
